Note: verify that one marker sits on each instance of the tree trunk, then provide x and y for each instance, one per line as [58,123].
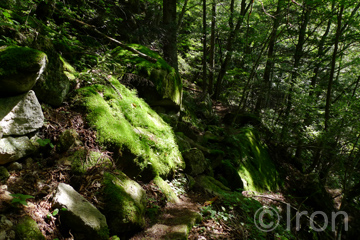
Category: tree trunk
[270,56]
[170,26]
[212,48]
[229,45]
[332,70]
[205,80]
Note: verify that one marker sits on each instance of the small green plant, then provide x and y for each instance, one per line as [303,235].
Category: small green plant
[44,142]
[20,198]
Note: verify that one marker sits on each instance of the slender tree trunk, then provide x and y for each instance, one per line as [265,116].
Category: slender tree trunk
[297,57]
[332,69]
[181,16]
[318,153]
[229,46]
[205,80]
[212,48]
[270,57]
[170,26]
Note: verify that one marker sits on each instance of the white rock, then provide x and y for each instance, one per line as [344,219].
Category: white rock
[81,216]
[12,149]
[20,115]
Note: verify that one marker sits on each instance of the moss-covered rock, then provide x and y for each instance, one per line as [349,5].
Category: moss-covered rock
[229,176]
[27,229]
[4,174]
[195,161]
[166,189]
[82,160]
[166,81]
[143,143]
[125,203]
[20,68]
[67,139]
[252,161]
[211,186]
[53,85]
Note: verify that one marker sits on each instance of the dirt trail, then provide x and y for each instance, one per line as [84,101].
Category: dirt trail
[175,222]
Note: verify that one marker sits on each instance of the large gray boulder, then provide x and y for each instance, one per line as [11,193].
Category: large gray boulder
[125,203]
[83,218]
[12,149]
[20,68]
[20,115]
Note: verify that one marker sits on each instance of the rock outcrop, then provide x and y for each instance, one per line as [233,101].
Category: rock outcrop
[83,218]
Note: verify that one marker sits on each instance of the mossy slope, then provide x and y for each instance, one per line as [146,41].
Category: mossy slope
[143,143]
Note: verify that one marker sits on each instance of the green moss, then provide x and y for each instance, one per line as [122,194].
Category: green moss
[253,163]
[166,79]
[69,70]
[14,59]
[166,189]
[27,229]
[127,123]
[82,160]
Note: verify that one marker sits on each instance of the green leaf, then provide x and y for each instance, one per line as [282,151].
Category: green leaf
[55,212]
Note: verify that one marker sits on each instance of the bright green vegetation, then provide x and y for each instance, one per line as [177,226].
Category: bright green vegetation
[166,189]
[14,59]
[127,125]
[253,162]
[166,79]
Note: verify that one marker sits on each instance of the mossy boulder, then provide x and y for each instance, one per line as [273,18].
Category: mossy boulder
[27,229]
[229,176]
[249,156]
[53,85]
[144,145]
[20,68]
[125,203]
[182,143]
[4,174]
[195,161]
[211,186]
[157,82]
[68,139]
[83,159]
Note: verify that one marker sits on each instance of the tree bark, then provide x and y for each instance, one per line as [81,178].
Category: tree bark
[204,77]
[333,65]
[229,45]
[212,48]
[270,56]
[170,39]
